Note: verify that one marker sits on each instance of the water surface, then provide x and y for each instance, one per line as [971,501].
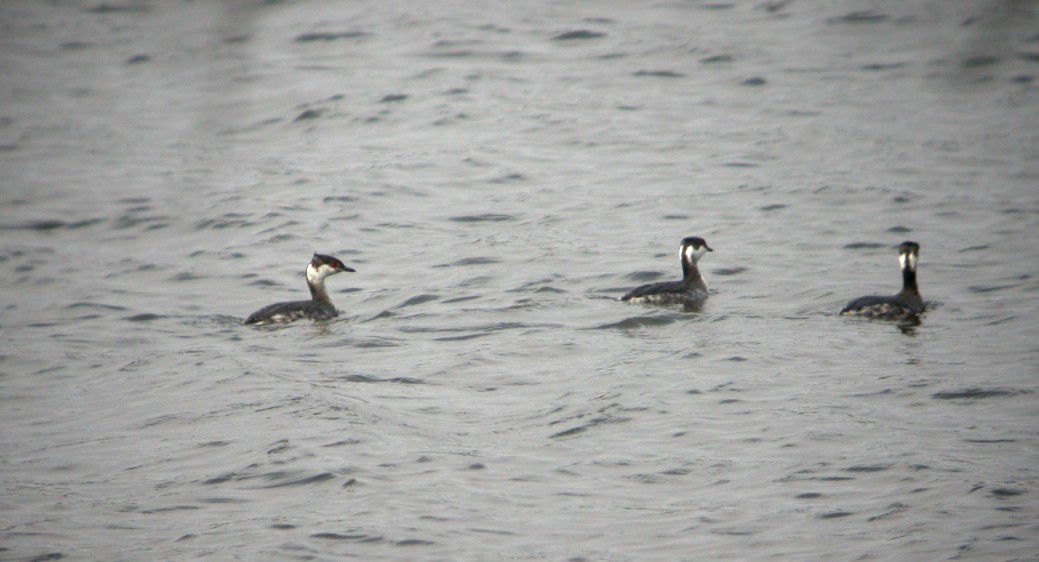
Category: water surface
[498,175]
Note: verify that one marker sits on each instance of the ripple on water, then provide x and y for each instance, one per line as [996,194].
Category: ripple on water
[284,479]
[991,288]
[130,8]
[867,468]
[657,74]
[95,306]
[578,34]
[475,260]
[864,16]
[45,225]
[1007,492]
[326,36]
[419,299]
[277,478]
[463,298]
[371,379]
[353,537]
[144,317]
[470,332]
[486,217]
[186,276]
[977,248]
[978,394]
[644,276]
[226,220]
[603,418]
[636,322]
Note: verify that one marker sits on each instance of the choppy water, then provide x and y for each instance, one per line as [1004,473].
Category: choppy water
[498,174]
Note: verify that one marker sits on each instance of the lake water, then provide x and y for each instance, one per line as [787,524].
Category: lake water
[498,174]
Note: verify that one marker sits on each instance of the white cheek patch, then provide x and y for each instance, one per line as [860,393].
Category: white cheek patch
[694,254]
[904,259]
[316,273]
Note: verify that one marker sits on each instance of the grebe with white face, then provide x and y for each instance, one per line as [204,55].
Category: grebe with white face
[907,303]
[319,307]
[690,290]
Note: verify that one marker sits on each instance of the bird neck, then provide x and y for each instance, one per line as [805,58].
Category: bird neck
[691,275]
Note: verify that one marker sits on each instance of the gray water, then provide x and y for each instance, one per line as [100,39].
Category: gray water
[498,173]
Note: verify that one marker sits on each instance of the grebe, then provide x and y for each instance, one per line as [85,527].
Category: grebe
[690,290]
[319,307]
[905,304]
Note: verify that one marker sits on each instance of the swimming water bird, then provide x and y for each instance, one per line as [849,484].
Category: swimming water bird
[690,290]
[907,303]
[319,307]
